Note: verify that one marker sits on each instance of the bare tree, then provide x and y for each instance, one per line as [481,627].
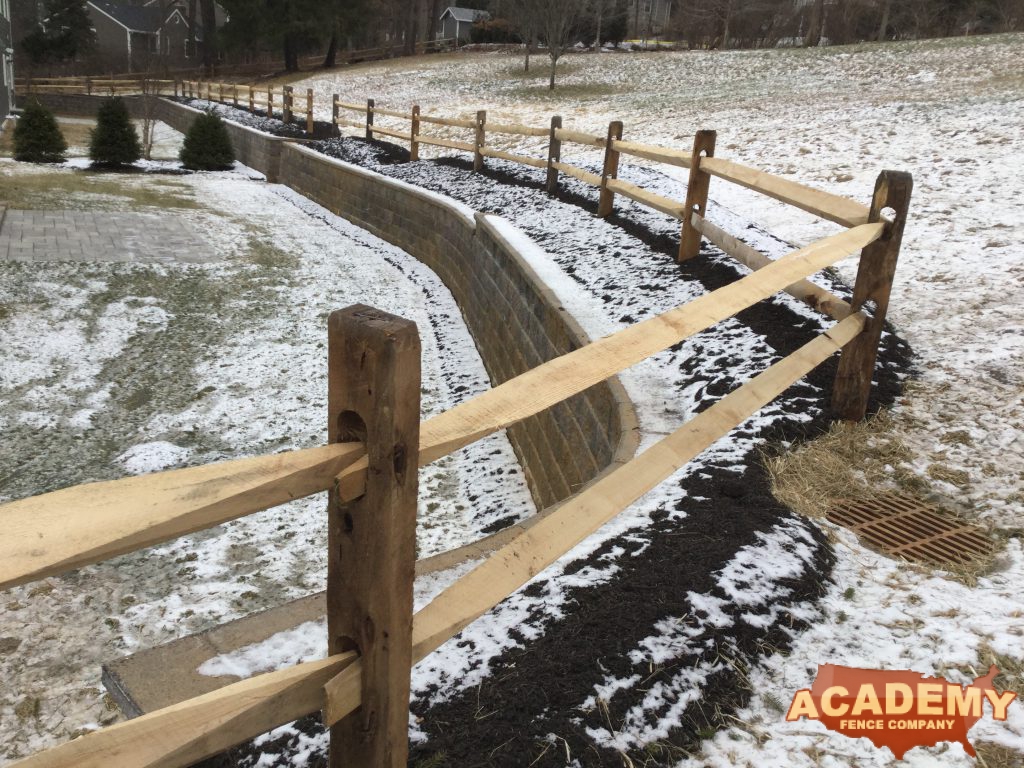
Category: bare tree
[598,8]
[558,22]
[524,15]
[816,23]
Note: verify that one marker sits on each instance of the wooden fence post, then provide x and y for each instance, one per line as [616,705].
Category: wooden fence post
[480,141]
[369,118]
[270,101]
[252,99]
[611,169]
[374,396]
[554,154]
[414,132]
[289,98]
[236,96]
[696,194]
[88,86]
[209,91]
[309,111]
[220,92]
[871,293]
[335,129]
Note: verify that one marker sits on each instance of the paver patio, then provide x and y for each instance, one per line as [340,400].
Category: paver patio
[101,236]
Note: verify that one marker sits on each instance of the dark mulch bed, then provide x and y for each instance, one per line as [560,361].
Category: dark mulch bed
[527,711]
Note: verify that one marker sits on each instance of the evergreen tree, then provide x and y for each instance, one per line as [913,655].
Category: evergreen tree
[207,145]
[115,140]
[65,34]
[37,139]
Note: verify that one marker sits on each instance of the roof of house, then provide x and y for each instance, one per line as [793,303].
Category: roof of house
[146,18]
[134,17]
[465,14]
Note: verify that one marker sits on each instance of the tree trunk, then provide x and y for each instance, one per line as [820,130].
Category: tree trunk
[883,26]
[529,45]
[551,82]
[193,51]
[210,47]
[726,24]
[600,17]
[815,25]
[435,9]
[412,28]
[331,59]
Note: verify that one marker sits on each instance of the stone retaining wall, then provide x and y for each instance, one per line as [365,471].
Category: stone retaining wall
[516,321]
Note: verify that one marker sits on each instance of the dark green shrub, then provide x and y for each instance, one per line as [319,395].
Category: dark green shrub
[115,140]
[37,139]
[207,145]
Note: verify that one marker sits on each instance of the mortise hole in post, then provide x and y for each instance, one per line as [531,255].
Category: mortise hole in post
[399,459]
[351,428]
[347,522]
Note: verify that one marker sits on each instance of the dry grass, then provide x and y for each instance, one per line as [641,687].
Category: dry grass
[992,755]
[851,461]
[860,462]
[83,190]
[1011,670]
[76,134]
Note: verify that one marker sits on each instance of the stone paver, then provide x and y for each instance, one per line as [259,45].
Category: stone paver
[96,236]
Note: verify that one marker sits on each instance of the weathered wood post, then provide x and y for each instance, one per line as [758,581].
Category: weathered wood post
[235,99]
[289,102]
[611,169]
[309,111]
[696,194]
[270,101]
[480,140]
[88,86]
[335,129]
[374,396]
[554,154]
[209,91]
[414,132]
[252,99]
[871,294]
[369,118]
[220,92]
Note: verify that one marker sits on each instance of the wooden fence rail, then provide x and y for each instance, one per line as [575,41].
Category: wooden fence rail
[377,443]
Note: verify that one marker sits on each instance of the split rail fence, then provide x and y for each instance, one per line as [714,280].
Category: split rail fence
[94,86]
[377,442]
[700,161]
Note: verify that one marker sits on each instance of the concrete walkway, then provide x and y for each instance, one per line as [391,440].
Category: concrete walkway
[100,236]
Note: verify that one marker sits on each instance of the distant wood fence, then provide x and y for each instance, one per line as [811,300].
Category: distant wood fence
[259,68]
[377,443]
[699,160]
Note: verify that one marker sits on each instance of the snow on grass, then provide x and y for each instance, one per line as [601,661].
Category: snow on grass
[948,111]
[111,369]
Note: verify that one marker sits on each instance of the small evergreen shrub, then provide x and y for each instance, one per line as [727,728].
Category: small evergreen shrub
[37,139]
[114,140]
[207,145]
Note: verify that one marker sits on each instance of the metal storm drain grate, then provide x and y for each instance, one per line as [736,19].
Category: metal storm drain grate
[905,527]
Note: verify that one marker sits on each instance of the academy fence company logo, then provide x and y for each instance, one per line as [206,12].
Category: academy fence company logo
[900,709]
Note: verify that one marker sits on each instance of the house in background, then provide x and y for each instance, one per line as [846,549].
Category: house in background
[139,36]
[6,62]
[457,23]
